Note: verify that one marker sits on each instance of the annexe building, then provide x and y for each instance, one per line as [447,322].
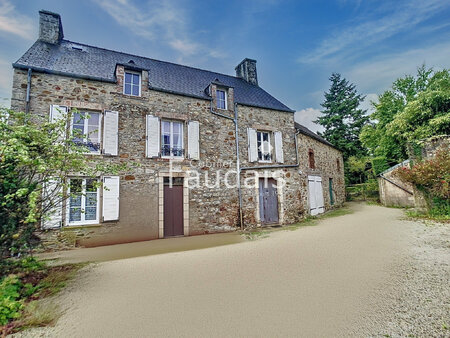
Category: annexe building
[180,125]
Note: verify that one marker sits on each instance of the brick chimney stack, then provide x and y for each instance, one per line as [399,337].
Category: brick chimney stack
[50,27]
[247,70]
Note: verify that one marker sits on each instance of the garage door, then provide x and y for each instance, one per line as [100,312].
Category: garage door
[316,203]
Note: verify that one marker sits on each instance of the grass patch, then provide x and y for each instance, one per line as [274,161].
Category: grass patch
[427,216]
[24,285]
[254,235]
[336,213]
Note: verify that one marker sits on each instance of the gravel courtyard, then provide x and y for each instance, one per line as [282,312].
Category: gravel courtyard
[369,273]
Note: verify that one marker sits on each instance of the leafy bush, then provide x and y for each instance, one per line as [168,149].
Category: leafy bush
[34,154]
[432,177]
[10,303]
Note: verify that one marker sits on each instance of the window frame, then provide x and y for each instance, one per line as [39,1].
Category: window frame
[140,83]
[171,122]
[258,134]
[311,159]
[83,220]
[225,99]
[86,127]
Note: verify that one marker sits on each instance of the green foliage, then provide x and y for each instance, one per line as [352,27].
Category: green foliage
[432,176]
[22,282]
[10,302]
[414,108]
[35,152]
[23,266]
[379,164]
[342,118]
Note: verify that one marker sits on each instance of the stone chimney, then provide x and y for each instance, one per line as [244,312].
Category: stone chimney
[247,70]
[50,27]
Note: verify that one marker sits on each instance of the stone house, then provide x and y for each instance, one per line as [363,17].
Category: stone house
[191,131]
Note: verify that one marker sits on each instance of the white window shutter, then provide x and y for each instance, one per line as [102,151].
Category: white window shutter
[278,146]
[111,133]
[52,200]
[319,192]
[111,198]
[252,145]
[194,140]
[57,113]
[152,136]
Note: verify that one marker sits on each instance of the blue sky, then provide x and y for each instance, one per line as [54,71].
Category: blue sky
[297,44]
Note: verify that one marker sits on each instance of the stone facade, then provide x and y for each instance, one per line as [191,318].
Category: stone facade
[210,209]
[328,164]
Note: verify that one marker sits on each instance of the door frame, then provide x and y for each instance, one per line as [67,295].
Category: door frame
[161,202]
[280,200]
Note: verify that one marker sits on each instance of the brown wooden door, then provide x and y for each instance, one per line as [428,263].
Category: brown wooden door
[268,201]
[173,210]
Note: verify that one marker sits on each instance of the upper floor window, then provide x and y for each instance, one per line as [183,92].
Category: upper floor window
[312,161]
[172,139]
[221,99]
[132,84]
[86,130]
[264,147]
[338,165]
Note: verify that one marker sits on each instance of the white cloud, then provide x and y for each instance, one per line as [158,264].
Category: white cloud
[15,23]
[162,20]
[378,74]
[367,103]
[306,117]
[367,31]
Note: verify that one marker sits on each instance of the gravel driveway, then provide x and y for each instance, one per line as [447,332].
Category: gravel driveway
[369,273]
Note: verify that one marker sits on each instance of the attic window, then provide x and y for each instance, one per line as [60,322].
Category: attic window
[132,83]
[221,96]
[131,62]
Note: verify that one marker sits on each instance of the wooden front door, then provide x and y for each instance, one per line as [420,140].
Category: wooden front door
[268,201]
[173,208]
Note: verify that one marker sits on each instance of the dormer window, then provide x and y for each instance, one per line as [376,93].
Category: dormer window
[221,96]
[132,84]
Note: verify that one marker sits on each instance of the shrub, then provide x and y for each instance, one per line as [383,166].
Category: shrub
[10,303]
[432,177]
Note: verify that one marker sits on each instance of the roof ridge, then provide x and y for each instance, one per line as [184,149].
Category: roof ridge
[148,58]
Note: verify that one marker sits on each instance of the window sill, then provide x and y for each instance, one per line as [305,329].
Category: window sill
[81,226]
[140,98]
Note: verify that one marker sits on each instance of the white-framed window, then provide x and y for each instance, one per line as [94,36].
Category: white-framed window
[132,83]
[172,139]
[83,202]
[221,96]
[86,130]
[264,147]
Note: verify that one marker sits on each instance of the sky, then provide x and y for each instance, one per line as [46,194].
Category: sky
[297,44]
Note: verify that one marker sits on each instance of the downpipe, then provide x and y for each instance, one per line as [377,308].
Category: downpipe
[27,101]
[238,164]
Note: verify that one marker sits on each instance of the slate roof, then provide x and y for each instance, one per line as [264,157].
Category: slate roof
[307,132]
[96,63]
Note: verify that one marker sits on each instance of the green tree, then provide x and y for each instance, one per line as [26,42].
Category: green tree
[35,154]
[342,118]
[413,109]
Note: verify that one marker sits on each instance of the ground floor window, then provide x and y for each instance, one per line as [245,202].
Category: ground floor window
[83,201]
